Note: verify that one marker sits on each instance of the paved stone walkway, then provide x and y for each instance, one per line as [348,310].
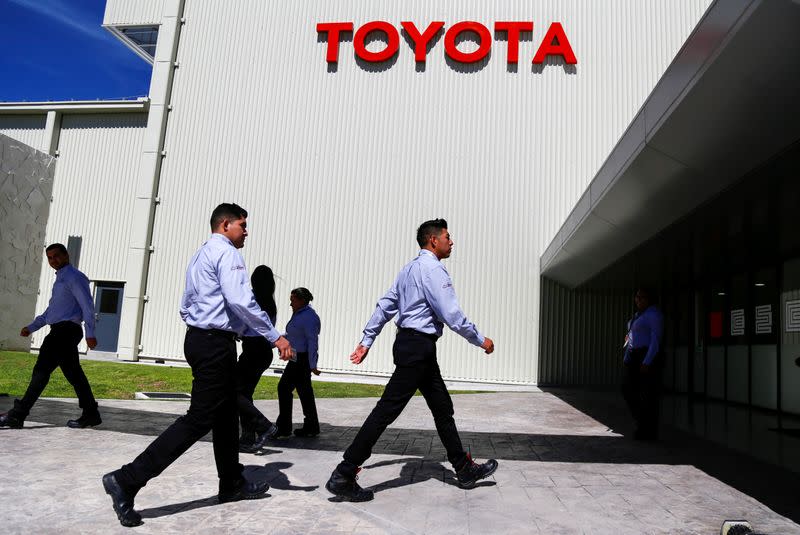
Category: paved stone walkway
[561,471]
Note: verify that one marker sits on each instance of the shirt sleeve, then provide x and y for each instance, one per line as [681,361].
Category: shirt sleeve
[38,322]
[385,310]
[442,298]
[312,328]
[79,286]
[656,325]
[239,297]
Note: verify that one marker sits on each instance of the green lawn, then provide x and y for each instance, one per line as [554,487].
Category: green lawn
[116,380]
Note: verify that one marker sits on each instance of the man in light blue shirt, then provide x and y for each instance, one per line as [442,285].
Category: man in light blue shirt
[218,306]
[423,299]
[643,361]
[70,302]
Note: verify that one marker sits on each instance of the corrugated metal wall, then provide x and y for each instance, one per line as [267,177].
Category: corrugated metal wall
[133,12]
[582,332]
[93,194]
[26,128]
[338,168]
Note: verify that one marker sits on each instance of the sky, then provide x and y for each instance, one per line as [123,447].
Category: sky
[57,50]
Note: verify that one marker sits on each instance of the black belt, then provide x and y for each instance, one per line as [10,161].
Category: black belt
[66,323]
[413,332]
[229,335]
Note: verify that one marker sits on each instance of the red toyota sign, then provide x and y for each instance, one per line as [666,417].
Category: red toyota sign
[554,43]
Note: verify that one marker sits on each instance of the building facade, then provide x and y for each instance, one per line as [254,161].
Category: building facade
[339,157]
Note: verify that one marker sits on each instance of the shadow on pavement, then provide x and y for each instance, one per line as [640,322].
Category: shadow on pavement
[769,484]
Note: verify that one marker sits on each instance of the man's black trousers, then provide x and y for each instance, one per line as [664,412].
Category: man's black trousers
[642,390]
[416,369]
[297,375]
[212,356]
[255,358]
[59,349]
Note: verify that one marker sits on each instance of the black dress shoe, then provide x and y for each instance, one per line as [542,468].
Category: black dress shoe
[347,489]
[121,501]
[7,420]
[245,490]
[472,472]
[305,432]
[86,420]
[262,438]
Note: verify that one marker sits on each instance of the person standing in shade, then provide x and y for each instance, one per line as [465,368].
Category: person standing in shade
[255,358]
[70,302]
[643,361]
[217,306]
[423,299]
[302,331]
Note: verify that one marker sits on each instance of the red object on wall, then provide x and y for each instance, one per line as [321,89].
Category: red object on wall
[513,29]
[421,40]
[467,57]
[392,36]
[715,324]
[563,48]
[333,29]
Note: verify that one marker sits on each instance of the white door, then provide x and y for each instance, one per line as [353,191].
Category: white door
[107,306]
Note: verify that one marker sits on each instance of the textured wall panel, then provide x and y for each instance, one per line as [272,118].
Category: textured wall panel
[338,168]
[133,12]
[93,194]
[26,185]
[26,128]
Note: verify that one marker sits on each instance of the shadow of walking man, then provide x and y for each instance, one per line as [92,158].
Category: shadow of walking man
[417,470]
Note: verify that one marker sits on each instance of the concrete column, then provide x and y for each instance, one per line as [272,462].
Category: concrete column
[138,255]
[52,131]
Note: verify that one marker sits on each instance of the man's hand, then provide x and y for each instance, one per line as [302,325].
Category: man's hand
[25,332]
[644,368]
[487,345]
[91,342]
[284,348]
[316,371]
[359,354]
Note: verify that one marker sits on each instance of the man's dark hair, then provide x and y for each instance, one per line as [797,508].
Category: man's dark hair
[58,247]
[226,210]
[430,228]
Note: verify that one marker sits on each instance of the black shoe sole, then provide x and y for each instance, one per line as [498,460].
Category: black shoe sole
[471,484]
[344,497]
[240,497]
[124,522]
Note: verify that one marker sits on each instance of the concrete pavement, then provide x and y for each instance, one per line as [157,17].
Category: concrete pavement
[561,471]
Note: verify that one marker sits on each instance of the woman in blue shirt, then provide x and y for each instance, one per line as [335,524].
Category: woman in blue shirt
[303,333]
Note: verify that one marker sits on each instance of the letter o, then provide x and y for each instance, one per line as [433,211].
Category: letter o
[392,37]
[467,57]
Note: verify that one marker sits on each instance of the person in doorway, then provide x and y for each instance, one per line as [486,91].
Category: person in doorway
[255,358]
[643,362]
[302,331]
[423,299]
[70,302]
[217,306]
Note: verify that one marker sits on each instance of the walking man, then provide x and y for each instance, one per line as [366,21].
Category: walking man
[423,299]
[70,302]
[218,306]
